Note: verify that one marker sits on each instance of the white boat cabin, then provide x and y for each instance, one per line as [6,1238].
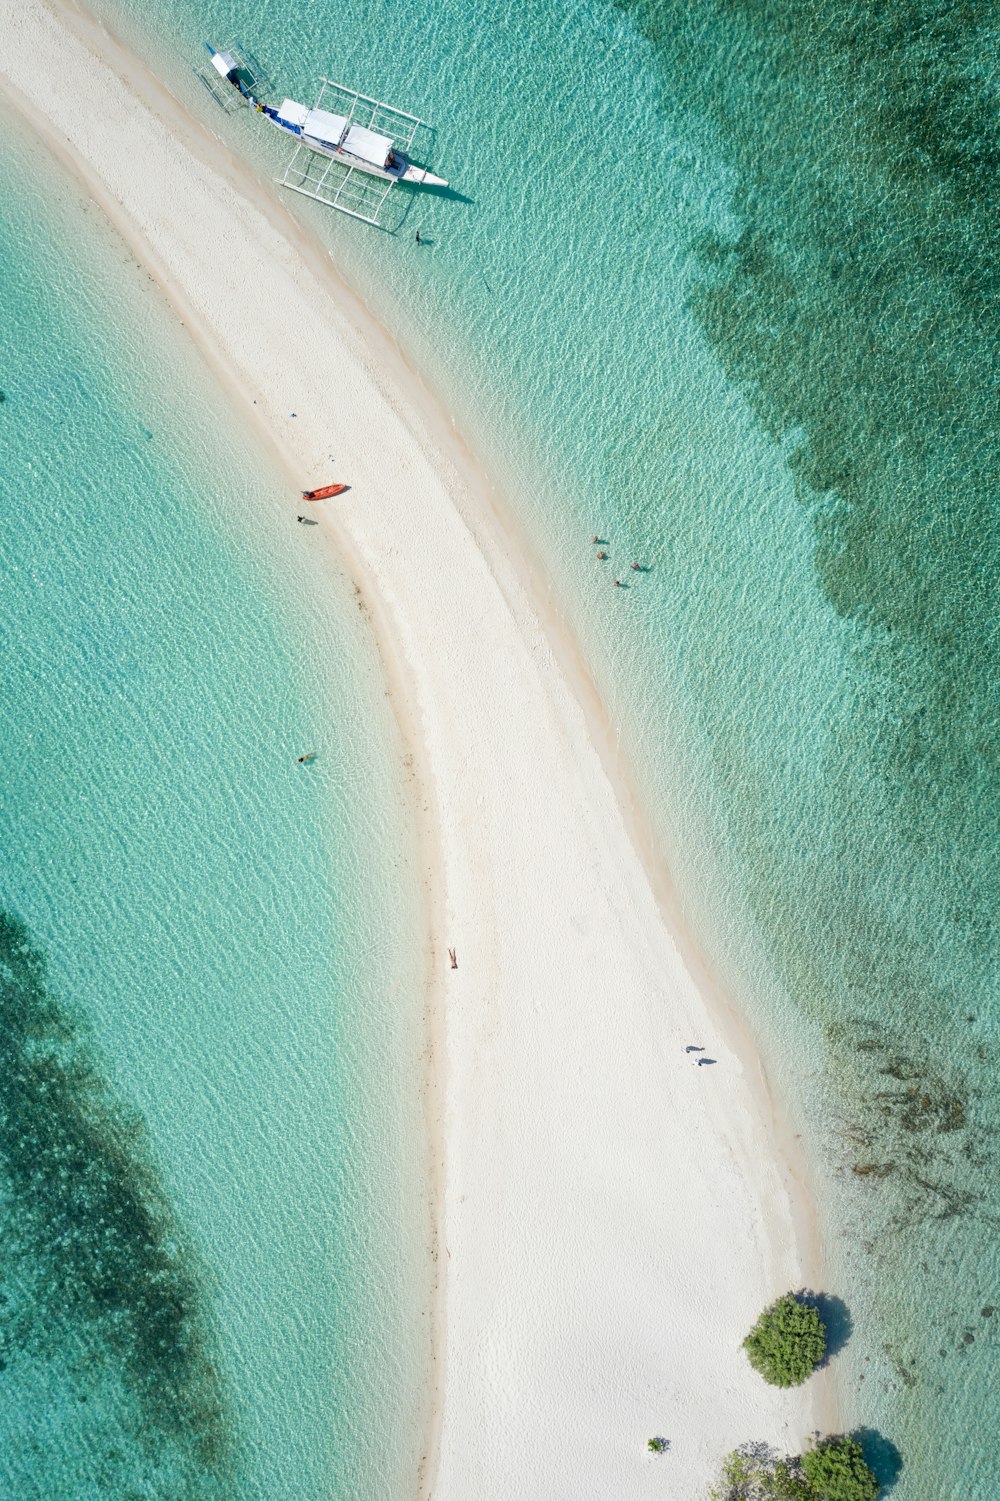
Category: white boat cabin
[318,127]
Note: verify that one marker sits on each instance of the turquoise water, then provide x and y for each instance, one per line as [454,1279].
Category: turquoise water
[720,285]
[212,1262]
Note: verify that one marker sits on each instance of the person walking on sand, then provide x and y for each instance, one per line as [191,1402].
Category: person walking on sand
[454,960]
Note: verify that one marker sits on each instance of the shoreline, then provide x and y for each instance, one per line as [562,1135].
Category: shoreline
[502,564]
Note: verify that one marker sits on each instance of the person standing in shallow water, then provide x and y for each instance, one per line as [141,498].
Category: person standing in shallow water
[418,237]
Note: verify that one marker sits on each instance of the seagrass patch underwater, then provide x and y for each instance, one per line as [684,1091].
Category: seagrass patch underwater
[105,1322]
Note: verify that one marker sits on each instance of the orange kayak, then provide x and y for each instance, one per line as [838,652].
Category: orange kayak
[323,492]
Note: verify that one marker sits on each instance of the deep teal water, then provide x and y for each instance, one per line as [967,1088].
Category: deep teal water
[211,1237]
[721,285]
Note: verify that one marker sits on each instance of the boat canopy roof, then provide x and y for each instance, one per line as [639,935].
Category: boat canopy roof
[367,145]
[322,126]
[292,113]
[224,62]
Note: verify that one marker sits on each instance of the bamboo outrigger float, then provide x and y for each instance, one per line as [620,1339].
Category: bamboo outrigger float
[348,157]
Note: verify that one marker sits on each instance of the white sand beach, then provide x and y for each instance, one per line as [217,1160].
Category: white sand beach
[611,1216]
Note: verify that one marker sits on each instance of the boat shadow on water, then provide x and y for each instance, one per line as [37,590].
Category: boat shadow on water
[408,201]
[448,195]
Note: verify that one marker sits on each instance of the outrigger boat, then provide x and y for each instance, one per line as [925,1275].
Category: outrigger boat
[234,77]
[324,492]
[344,155]
[359,146]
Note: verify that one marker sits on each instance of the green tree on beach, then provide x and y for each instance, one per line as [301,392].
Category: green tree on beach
[787,1342]
[834,1470]
[753,1473]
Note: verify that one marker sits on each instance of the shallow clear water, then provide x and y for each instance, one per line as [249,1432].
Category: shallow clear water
[720,285]
[212,1266]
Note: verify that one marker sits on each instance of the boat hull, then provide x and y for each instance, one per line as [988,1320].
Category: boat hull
[423,177]
[324,492]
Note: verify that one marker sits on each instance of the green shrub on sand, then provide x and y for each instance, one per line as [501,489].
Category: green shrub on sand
[751,1475]
[834,1470]
[787,1342]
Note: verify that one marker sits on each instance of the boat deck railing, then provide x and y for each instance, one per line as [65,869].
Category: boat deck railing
[383,119]
[333,182]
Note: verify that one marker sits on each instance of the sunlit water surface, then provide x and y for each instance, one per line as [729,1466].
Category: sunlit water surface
[212,1241]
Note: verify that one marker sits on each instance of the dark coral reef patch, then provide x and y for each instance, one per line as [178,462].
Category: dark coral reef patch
[99,1282]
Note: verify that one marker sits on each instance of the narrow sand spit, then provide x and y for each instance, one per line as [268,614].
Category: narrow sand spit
[611,1216]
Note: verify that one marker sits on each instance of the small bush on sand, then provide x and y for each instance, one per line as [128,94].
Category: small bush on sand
[787,1342]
